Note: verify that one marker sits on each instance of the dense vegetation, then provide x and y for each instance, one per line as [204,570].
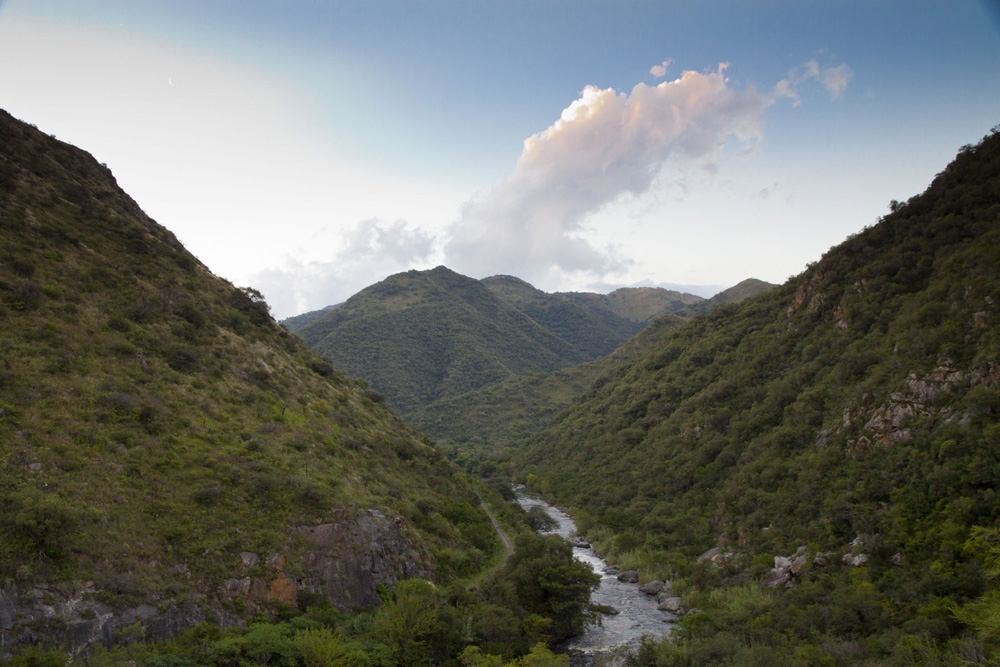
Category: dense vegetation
[161,437]
[849,419]
[476,428]
[506,618]
[595,324]
[479,424]
[425,336]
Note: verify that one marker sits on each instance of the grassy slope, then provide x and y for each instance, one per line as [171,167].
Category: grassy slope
[857,401]
[153,418]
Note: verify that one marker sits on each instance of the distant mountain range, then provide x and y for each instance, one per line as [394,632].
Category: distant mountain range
[425,336]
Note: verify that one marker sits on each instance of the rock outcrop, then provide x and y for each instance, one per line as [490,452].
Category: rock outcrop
[345,559]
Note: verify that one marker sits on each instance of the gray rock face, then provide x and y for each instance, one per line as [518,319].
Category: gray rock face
[349,559]
[785,568]
[345,559]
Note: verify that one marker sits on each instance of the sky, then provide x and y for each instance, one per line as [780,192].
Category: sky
[310,149]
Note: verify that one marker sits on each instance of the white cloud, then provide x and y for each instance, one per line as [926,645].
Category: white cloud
[660,71]
[367,253]
[834,79]
[605,145]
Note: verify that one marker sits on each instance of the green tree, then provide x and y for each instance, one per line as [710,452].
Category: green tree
[405,623]
[550,582]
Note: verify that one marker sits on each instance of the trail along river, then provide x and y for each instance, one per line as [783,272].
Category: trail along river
[638,613]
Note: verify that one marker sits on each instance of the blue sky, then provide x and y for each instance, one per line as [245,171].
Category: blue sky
[312,148]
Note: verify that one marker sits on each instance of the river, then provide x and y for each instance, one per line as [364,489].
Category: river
[638,613]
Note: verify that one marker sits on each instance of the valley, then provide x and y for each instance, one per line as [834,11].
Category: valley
[813,467]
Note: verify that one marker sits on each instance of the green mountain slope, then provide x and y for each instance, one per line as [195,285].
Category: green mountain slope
[423,335]
[739,292]
[595,324]
[850,417]
[167,452]
[483,424]
[296,322]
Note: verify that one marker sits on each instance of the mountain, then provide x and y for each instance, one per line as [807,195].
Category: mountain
[744,290]
[168,453]
[477,427]
[595,324]
[815,468]
[484,422]
[421,337]
[296,322]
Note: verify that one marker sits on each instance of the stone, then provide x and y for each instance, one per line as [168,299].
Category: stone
[652,588]
[708,555]
[777,577]
[856,560]
[629,576]
[797,563]
[671,604]
[249,559]
[897,559]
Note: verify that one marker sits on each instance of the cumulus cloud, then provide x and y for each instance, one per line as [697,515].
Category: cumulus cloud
[365,253]
[834,79]
[605,144]
[660,71]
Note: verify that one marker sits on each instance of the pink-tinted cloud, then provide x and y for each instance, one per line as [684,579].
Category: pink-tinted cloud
[660,71]
[605,144]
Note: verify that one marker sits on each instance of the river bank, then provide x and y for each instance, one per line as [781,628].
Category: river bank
[637,613]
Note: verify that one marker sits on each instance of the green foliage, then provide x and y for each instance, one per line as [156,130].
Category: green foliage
[155,422]
[259,644]
[404,623]
[549,582]
[320,647]
[857,404]
[540,520]
[422,337]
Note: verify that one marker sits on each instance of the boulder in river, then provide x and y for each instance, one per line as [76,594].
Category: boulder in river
[652,588]
[629,576]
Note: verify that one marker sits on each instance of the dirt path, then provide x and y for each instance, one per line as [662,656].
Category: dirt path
[496,526]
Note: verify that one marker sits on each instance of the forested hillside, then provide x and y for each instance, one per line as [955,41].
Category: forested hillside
[425,336]
[831,450]
[476,428]
[595,324]
[168,453]
[422,335]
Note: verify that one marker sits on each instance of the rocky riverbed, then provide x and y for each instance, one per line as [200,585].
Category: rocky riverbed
[637,612]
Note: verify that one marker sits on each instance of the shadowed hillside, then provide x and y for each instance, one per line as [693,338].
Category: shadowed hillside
[817,467]
[167,452]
